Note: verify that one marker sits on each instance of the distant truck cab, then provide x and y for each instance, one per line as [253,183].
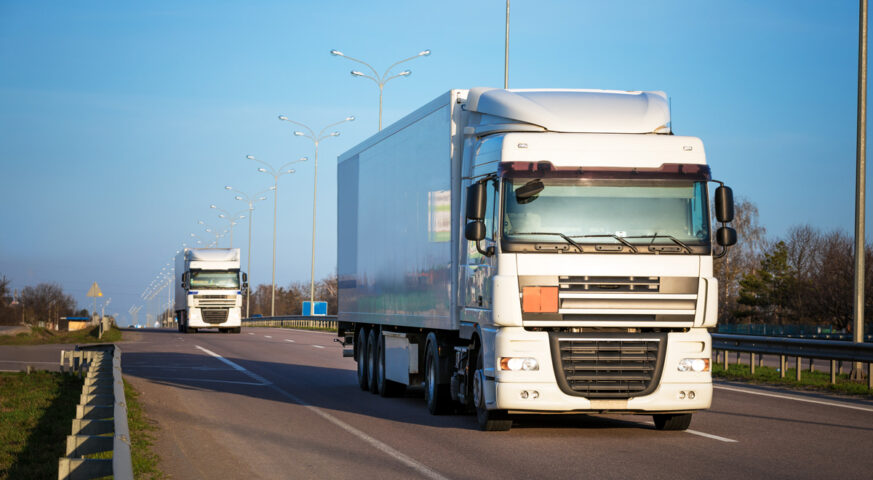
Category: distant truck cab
[209,289]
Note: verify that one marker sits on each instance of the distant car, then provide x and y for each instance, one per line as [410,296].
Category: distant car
[257,315]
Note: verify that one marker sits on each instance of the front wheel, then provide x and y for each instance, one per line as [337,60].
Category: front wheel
[672,421]
[489,420]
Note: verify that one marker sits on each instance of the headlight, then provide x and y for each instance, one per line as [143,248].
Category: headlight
[519,363]
[694,365]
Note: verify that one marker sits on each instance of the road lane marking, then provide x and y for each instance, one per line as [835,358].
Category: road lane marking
[709,435]
[250,333]
[289,340]
[235,366]
[318,346]
[267,336]
[791,397]
[378,445]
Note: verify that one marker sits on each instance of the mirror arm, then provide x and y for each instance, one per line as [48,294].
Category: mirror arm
[488,252]
[721,254]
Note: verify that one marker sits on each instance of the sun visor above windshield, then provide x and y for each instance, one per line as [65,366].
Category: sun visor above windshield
[579,111]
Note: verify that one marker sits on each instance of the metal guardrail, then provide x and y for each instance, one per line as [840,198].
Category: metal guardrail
[101,410]
[754,345]
[292,321]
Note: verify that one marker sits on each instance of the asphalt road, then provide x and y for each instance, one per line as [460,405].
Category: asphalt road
[279,403]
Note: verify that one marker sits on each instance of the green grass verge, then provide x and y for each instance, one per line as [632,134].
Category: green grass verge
[36,412]
[143,457]
[41,336]
[819,381]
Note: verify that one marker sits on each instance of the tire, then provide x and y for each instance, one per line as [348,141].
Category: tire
[385,387]
[361,344]
[438,396]
[372,360]
[489,420]
[679,421]
[223,330]
[236,330]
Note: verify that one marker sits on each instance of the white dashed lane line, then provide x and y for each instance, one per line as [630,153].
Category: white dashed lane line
[250,333]
[318,346]
[267,336]
[410,462]
[289,340]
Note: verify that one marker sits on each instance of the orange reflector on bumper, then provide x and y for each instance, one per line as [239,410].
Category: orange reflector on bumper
[539,299]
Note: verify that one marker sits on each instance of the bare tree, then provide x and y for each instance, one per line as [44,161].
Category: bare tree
[742,258]
[46,302]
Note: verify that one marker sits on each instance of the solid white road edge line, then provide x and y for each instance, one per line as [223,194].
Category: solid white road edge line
[791,397]
[378,445]
[704,434]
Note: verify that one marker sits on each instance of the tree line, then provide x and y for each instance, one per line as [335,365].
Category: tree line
[43,302]
[804,277]
[289,299]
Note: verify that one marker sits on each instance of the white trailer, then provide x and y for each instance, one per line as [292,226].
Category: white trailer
[524,251]
[209,289]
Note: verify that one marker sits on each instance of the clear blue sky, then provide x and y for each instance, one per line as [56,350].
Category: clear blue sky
[120,122]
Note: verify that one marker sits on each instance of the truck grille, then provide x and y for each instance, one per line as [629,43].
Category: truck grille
[608,366]
[609,284]
[214,315]
[227,301]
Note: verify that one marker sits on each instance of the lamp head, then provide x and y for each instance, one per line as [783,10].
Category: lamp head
[212,206]
[405,73]
[228,187]
[250,157]
[221,215]
[303,159]
[424,53]
[262,198]
[283,117]
[298,134]
[290,170]
[357,73]
[337,53]
[334,134]
[201,222]
[350,118]
[238,197]
[262,169]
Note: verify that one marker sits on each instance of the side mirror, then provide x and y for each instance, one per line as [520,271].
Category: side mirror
[724,204]
[726,236]
[476,198]
[185,280]
[529,191]
[475,231]
[245,277]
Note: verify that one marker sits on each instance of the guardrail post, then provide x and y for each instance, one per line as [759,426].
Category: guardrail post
[833,372]
[726,354]
[781,366]
[870,376]
[811,364]
[798,366]
[752,362]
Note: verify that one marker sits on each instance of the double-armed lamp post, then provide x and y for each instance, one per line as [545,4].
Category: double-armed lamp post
[380,80]
[275,173]
[316,139]
[250,200]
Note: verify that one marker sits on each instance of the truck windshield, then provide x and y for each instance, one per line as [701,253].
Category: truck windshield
[214,279]
[619,215]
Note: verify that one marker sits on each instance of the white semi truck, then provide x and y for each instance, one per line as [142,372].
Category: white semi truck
[532,251]
[209,287]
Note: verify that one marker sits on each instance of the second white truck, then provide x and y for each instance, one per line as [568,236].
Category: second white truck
[527,251]
[209,288]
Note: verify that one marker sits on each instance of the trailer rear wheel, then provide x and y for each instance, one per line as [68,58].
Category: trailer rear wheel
[438,396]
[672,421]
[385,387]
[489,420]
[372,360]
[361,343]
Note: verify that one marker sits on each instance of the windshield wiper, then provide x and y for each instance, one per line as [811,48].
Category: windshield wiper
[557,234]
[609,235]
[662,235]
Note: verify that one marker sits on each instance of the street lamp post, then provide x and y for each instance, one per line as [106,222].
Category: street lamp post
[316,139]
[231,218]
[250,200]
[275,173]
[380,80]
